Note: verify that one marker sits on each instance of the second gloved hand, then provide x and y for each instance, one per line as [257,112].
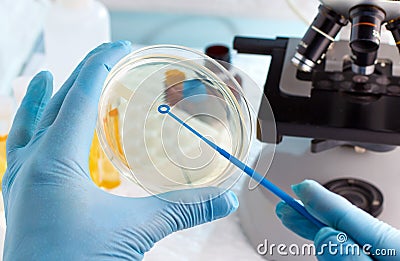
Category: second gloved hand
[53,209]
[348,226]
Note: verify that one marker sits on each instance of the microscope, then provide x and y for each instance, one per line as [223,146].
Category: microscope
[336,106]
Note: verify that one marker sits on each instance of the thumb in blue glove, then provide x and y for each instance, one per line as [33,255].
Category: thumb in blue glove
[349,226]
[53,209]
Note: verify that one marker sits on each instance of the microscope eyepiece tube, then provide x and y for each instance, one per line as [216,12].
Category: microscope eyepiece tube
[319,36]
[365,37]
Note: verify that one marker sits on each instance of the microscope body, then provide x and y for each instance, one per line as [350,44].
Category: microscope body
[331,99]
[344,91]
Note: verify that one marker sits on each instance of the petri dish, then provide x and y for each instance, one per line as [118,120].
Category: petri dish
[152,149]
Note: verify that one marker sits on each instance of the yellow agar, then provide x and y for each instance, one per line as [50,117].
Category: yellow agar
[3,161]
[101,169]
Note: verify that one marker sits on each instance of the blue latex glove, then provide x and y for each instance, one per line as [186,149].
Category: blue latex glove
[53,209]
[342,217]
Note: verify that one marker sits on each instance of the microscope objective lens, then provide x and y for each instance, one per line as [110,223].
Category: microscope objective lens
[365,37]
[317,39]
[394,27]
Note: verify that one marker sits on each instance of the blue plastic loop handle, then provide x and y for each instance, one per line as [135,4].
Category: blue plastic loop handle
[165,109]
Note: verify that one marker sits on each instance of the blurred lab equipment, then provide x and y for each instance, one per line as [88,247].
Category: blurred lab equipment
[22,22]
[336,106]
[156,152]
[72,27]
[222,53]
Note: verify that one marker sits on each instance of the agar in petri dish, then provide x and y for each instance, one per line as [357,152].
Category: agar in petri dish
[155,151]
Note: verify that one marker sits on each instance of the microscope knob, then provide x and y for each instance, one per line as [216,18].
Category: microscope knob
[361,193]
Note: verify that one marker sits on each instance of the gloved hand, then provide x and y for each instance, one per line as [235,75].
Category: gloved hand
[348,226]
[53,209]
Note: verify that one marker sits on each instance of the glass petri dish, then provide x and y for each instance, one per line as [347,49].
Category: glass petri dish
[151,148]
